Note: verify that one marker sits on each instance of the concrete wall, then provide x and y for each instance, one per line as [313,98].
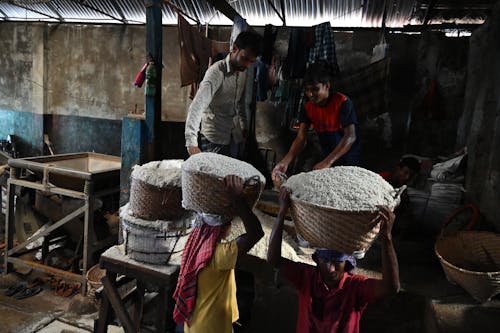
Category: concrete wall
[80,77]
[480,123]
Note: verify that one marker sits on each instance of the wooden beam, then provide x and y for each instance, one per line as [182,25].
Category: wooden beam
[225,8]
[428,12]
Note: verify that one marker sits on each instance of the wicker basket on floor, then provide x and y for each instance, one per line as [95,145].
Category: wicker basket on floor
[204,192]
[150,202]
[94,276]
[471,259]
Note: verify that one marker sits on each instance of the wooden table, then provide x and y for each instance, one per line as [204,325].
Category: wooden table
[159,278]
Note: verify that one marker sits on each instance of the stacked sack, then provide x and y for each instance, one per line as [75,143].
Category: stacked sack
[203,188]
[154,224]
[336,208]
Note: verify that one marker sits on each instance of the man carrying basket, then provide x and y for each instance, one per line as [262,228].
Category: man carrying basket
[331,298]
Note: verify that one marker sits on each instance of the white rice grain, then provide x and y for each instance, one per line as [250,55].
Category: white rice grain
[345,188]
[221,166]
[159,173]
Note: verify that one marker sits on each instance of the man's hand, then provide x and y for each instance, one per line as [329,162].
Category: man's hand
[234,185]
[386,217]
[321,165]
[280,168]
[193,150]
[284,199]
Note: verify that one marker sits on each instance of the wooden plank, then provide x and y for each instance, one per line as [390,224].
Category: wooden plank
[118,307]
[47,269]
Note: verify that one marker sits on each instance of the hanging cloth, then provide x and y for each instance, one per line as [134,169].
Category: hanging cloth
[324,46]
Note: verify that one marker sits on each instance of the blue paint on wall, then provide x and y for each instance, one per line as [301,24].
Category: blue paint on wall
[134,137]
[28,129]
[72,134]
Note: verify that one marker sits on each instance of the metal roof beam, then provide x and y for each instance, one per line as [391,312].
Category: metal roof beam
[83,4]
[270,2]
[5,17]
[119,10]
[428,12]
[33,10]
[55,11]
[282,4]
[225,8]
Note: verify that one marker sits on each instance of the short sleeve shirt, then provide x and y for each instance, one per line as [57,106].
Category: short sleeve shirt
[323,310]
[329,122]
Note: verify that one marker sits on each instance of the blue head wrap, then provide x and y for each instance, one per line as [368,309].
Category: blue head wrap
[333,255]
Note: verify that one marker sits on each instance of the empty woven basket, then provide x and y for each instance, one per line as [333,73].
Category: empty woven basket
[204,192]
[472,260]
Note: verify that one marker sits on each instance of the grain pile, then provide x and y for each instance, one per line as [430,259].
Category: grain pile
[290,248]
[221,166]
[345,188]
[159,173]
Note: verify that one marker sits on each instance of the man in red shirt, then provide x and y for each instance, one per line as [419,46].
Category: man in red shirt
[407,168]
[331,298]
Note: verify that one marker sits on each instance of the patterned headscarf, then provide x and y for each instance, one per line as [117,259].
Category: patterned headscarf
[333,255]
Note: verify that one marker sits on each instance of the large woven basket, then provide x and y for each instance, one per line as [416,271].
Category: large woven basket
[150,202]
[472,260]
[204,192]
[330,228]
[345,231]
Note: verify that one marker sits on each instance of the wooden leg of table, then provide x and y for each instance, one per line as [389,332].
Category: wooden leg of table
[162,310]
[138,299]
[118,307]
[105,311]
[170,323]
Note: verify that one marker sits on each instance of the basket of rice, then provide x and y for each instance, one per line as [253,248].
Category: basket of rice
[155,190]
[336,208]
[203,188]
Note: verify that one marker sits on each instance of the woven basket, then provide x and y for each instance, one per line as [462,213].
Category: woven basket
[203,192]
[344,231]
[150,202]
[472,260]
[94,276]
[333,229]
[154,243]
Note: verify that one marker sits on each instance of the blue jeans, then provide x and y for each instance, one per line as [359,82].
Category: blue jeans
[210,147]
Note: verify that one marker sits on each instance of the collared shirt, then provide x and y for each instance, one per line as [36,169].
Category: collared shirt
[216,307]
[324,310]
[219,105]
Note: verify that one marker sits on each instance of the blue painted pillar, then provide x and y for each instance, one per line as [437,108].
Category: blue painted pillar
[153,96]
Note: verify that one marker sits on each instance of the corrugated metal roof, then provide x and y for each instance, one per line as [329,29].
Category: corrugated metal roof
[340,13]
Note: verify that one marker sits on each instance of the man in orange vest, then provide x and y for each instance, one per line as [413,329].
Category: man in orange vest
[333,118]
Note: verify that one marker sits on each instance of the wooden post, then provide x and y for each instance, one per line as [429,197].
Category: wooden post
[153,102]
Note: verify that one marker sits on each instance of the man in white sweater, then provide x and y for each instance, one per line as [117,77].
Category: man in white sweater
[219,102]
